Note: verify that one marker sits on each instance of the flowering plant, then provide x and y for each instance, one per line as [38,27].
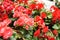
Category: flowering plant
[29,20]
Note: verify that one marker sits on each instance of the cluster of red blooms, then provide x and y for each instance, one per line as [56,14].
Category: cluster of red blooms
[55,13]
[42,27]
[8,5]
[24,18]
[23,1]
[41,23]
[36,6]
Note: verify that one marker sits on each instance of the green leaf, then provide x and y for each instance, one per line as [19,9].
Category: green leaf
[30,32]
[49,15]
[57,4]
[35,38]
[13,19]
[47,21]
[35,12]
[50,33]
[56,26]
[58,37]
[43,10]
[59,31]
[1,39]
[12,38]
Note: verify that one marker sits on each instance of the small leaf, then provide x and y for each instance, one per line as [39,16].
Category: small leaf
[56,26]
[49,15]
[1,39]
[59,31]
[13,19]
[35,12]
[12,38]
[50,33]
[58,37]
[34,38]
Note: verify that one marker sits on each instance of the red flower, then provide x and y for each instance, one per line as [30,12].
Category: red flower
[23,1]
[39,6]
[37,18]
[40,21]
[53,8]
[45,29]
[36,6]
[3,16]
[37,33]
[8,5]
[32,6]
[43,15]
[1,9]
[51,38]
[55,32]
[56,15]
[28,11]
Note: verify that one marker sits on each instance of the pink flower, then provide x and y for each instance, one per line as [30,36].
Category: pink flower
[18,12]
[6,22]
[19,22]
[24,19]
[30,21]
[27,27]
[2,29]
[7,33]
